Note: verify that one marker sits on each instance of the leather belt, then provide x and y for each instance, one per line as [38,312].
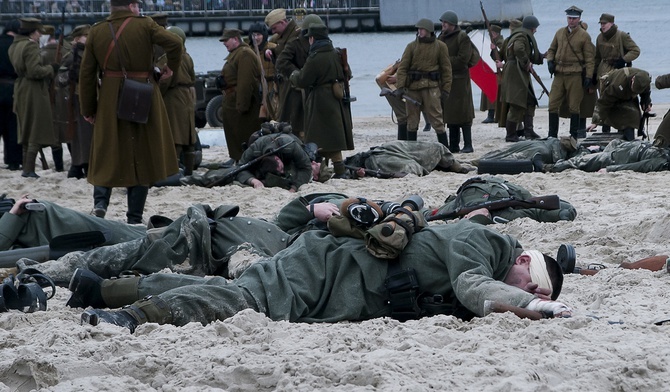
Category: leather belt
[120,74]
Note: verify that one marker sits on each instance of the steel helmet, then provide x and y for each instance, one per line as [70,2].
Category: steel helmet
[449,17]
[426,24]
[530,22]
[309,20]
[176,30]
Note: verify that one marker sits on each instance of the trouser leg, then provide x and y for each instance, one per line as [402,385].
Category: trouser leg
[137,197]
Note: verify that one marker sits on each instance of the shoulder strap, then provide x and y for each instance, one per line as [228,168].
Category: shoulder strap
[114,40]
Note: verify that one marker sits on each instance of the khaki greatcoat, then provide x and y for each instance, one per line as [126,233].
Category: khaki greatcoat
[124,153]
[180,103]
[458,109]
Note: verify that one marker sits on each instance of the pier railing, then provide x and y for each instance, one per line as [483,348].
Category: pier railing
[10,9]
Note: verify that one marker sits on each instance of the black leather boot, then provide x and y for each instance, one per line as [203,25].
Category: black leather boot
[454,138]
[553,125]
[467,139]
[86,290]
[402,131]
[442,138]
[490,119]
[57,155]
[574,125]
[511,136]
[528,129]
[29,165]
[137,197]
[628,134]
[101,195]
[606,129]
[411,136]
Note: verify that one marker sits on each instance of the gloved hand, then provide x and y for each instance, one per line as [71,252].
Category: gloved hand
[220,82]
[554,308]
[588,82]
[399,92]
[551,65]
[445,94]
[619,63]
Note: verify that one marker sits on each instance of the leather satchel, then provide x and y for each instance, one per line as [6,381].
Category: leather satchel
[134,101]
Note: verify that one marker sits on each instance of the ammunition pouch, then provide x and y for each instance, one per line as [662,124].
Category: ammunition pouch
[415,75]
[338,90]
[418,75]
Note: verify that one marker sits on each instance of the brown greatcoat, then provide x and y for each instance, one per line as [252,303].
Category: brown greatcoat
[613,45]
[520,51]
[292,58]
[180,103]
[124,153]
[68,82]
[242,99]
[31,93]
[458,109]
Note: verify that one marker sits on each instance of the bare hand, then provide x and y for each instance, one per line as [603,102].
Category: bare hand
[90,119]
[166,73]
[268,54]
[17,208]
[324,211]
[541,293]
[256,183]
[391,79]
[591,127]
[479,211]
[499,64]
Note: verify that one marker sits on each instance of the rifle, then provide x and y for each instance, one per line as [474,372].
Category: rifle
[644,118]
[386,73]
[235,171]
[488,27]
[347,72]
[377,173]
[550,202]
[72,86]
[58,247]
[264,83]
[539,81]
[387,91]
[58,58]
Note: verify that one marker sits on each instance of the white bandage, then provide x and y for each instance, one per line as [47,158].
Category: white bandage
[538,270]
[553,307]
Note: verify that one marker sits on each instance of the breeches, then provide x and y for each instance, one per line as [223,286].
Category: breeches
[568,87]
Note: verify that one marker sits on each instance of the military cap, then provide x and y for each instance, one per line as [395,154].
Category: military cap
[12,26]
[161,18]
[80,31]
[606,18]
[574,12]
[49,30]
[230,33]
[309,20]
[641,83]
[318,31]
[276,15]
[31,24]
[514,24]
[496,28]
[121,3]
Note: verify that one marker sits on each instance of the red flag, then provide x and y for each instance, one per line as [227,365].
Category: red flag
[485,78]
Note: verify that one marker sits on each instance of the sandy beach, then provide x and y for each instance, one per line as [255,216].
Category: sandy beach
[610,344]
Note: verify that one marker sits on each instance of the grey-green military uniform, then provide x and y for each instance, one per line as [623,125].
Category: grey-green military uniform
[38,228]
[411,157]
[662,135]
[322,278]
[521,51]
[618,104]
[550,149]
[618,155]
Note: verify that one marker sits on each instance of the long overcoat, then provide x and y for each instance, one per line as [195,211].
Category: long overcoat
[327,118]
[31,93]
[179,102]
[459,107]
[521,50]
[125,153]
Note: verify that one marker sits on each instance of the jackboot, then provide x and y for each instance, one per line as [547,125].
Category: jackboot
[454,139]
[606,129]
[426,128]
[189,162]
[574,125]
[628,134]
[75,171]
[553,125]
[29,165]
[411,136]
[511,136]
[467,139]
[101,195]
[137,197]
[442,138]
[402,131]
[528,131]
[490,119]
[582,123]
[340,170]
[57,155]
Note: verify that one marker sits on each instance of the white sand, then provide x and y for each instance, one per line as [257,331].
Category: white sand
[610,344]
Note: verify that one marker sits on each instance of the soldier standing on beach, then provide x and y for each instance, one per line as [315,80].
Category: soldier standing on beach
[571,58]
[12,151]
[284,31]
[50,52]
[424,74]
[458,109]
[615,49]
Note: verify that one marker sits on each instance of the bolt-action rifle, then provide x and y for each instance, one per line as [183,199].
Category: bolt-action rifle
[377,173]
[387,91]
[550,202]
[347,75]
[58,247]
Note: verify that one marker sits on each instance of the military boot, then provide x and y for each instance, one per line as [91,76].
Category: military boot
[553,125]
[606,129]
[86,290]
[57,155]
[426,128]
[402,131]
[442,138]
[628,134]
[189,162]
[148,310]
[101,196]
[29,165]
[574,125]
[411,136]
[511,136]
[75,171]
[454,139]
[490,119]
[528,131]
[137,197]
[467,139]
[340,170]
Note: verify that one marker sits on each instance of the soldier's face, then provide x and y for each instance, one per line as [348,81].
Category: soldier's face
[258,38]
[573,21]
[422,33]
[231,43]
[279,27]
[604,26]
